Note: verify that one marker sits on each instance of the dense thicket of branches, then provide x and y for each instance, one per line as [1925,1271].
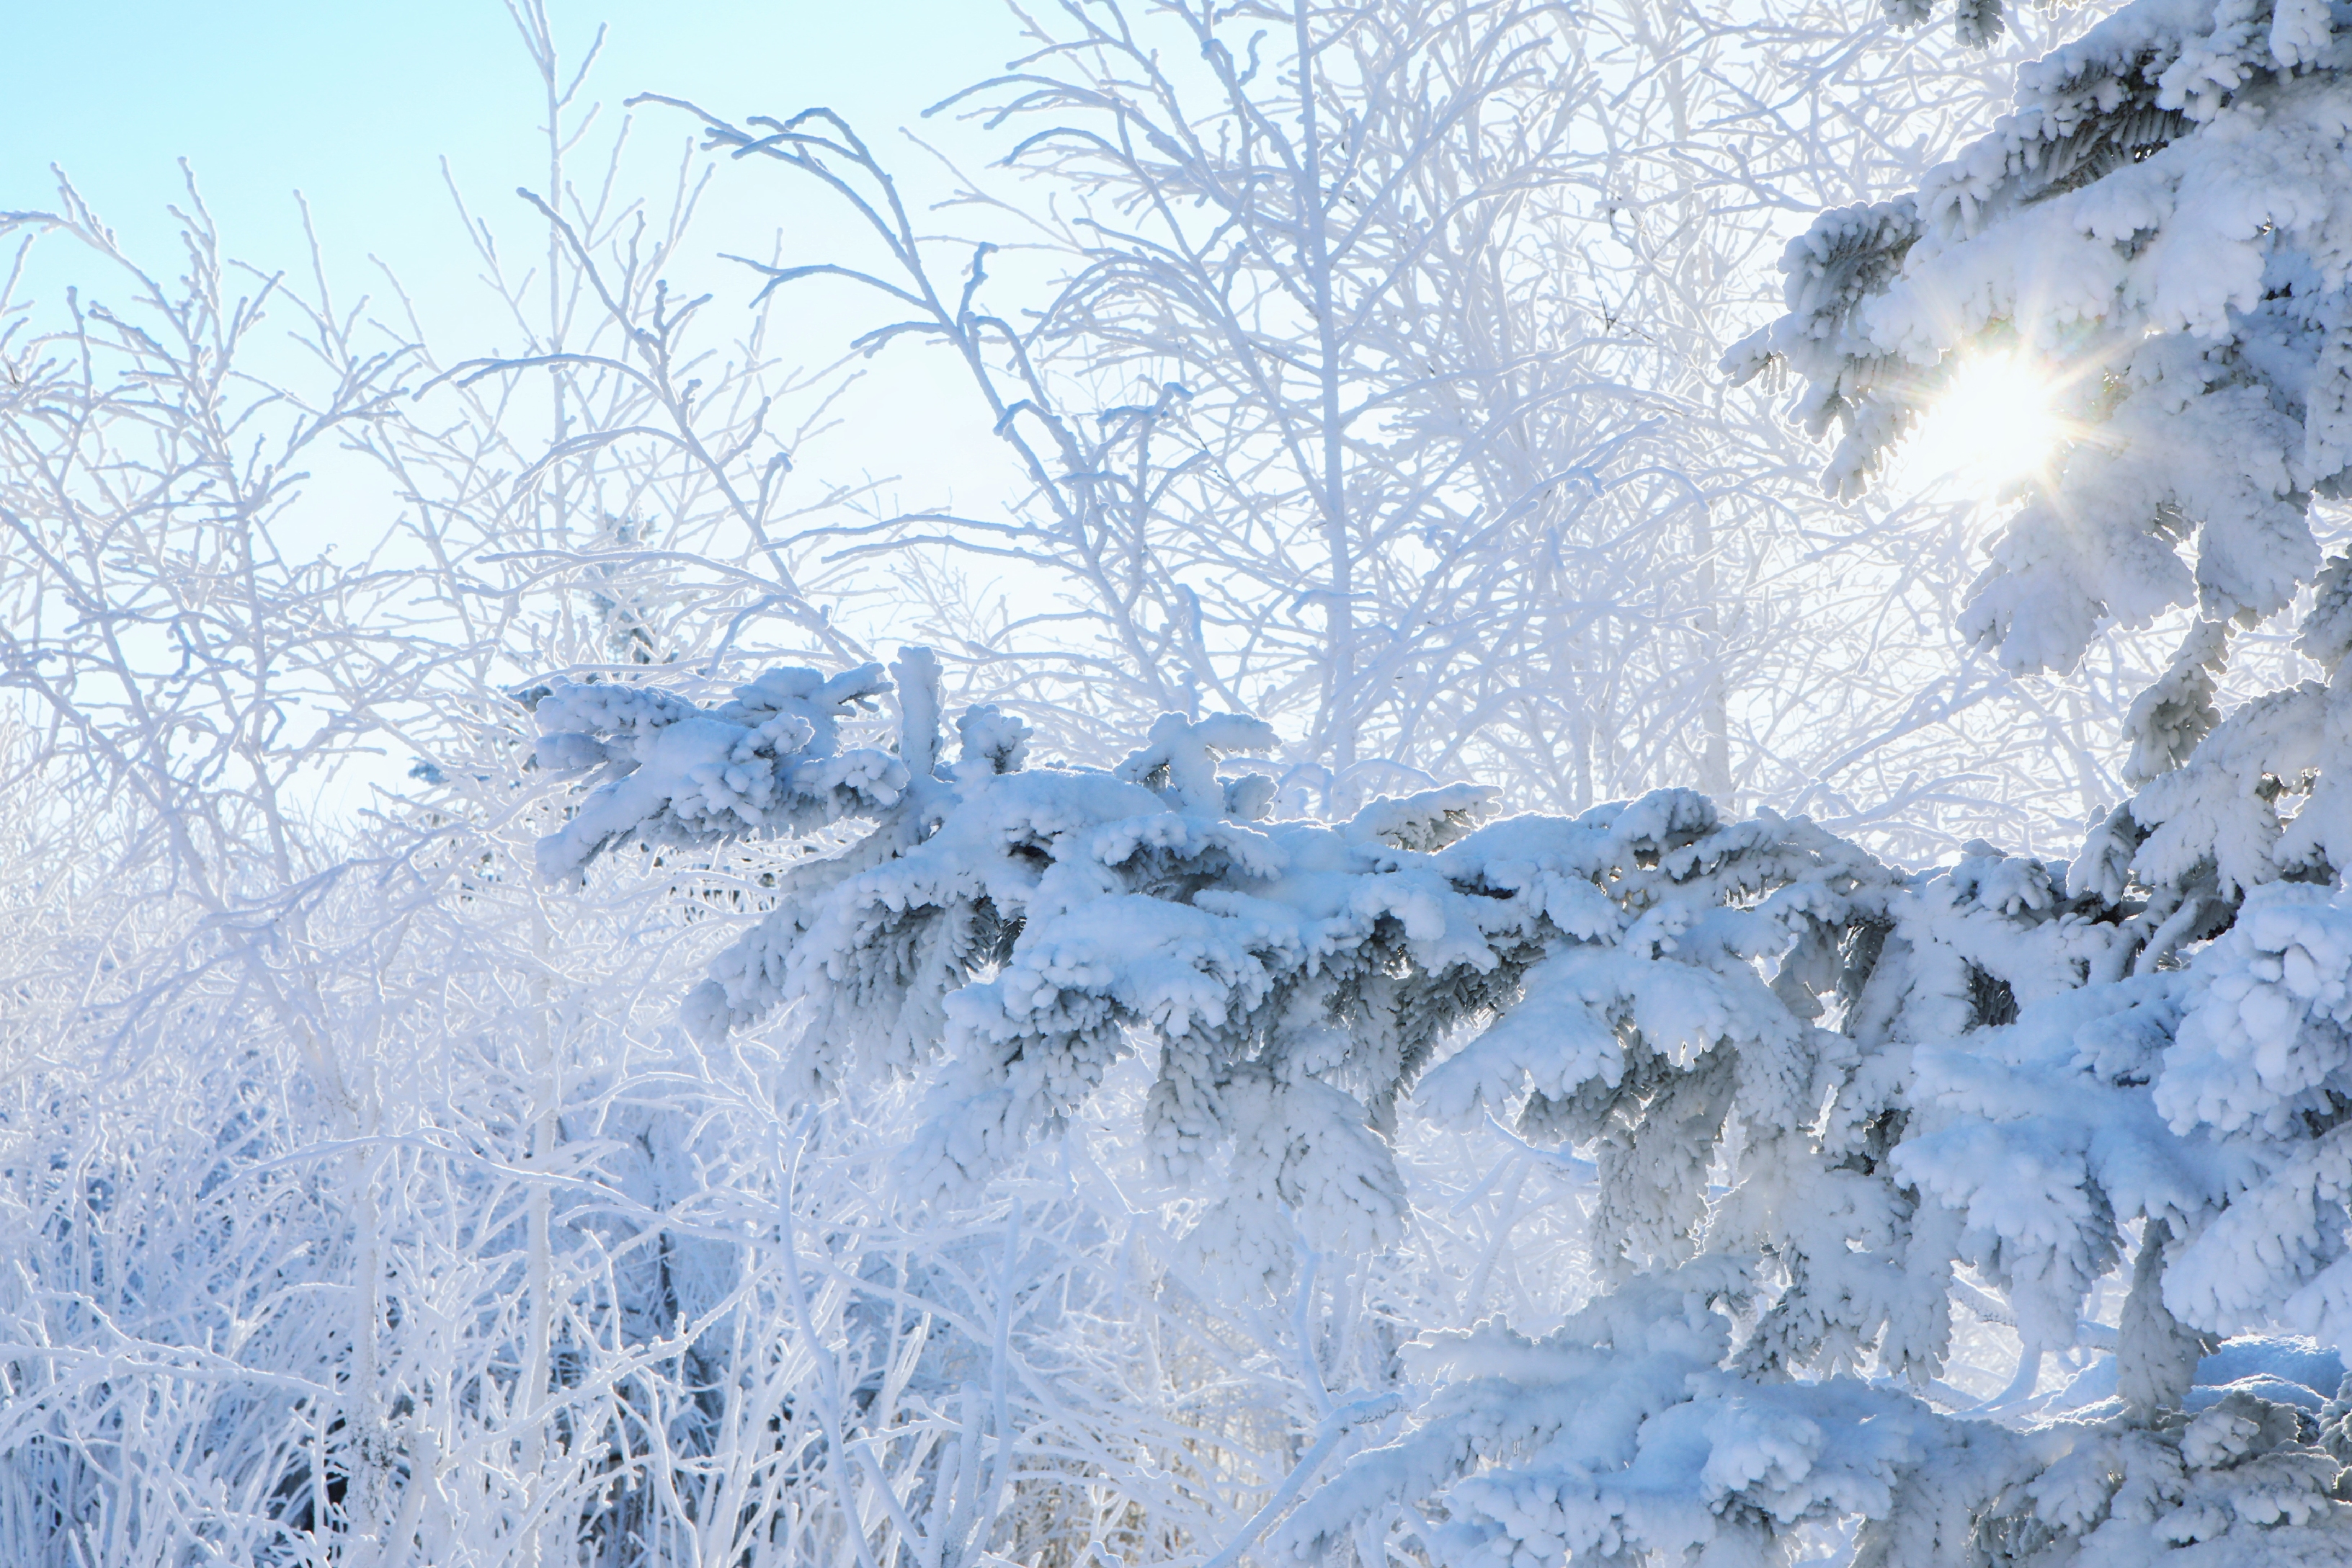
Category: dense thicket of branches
[1375,392]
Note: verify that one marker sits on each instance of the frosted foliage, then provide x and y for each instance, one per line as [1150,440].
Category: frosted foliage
[1827,1105]
[668,771]
[1032,927]
[1626,1440]
[2162,223]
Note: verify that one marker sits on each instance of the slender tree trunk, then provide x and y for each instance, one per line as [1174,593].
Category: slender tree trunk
[1715,697]
[1340,669]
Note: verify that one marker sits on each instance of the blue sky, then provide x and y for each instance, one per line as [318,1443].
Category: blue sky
[354,104]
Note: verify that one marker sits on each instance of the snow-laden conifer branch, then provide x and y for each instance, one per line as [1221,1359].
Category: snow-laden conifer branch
[1816,1091]
[1876,1060]
[2157,221]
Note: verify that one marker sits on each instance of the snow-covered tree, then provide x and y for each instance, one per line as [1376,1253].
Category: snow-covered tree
[2141,1051]
[1829,1103]
[1915,1079]
[1893,1082]
[2157,222]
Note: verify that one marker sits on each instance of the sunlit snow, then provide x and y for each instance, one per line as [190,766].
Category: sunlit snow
[1997,422]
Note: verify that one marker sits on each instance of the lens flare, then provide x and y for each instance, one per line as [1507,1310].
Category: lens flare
[1997,422]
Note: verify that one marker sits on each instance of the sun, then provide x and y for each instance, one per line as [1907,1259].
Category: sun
[1997,422]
